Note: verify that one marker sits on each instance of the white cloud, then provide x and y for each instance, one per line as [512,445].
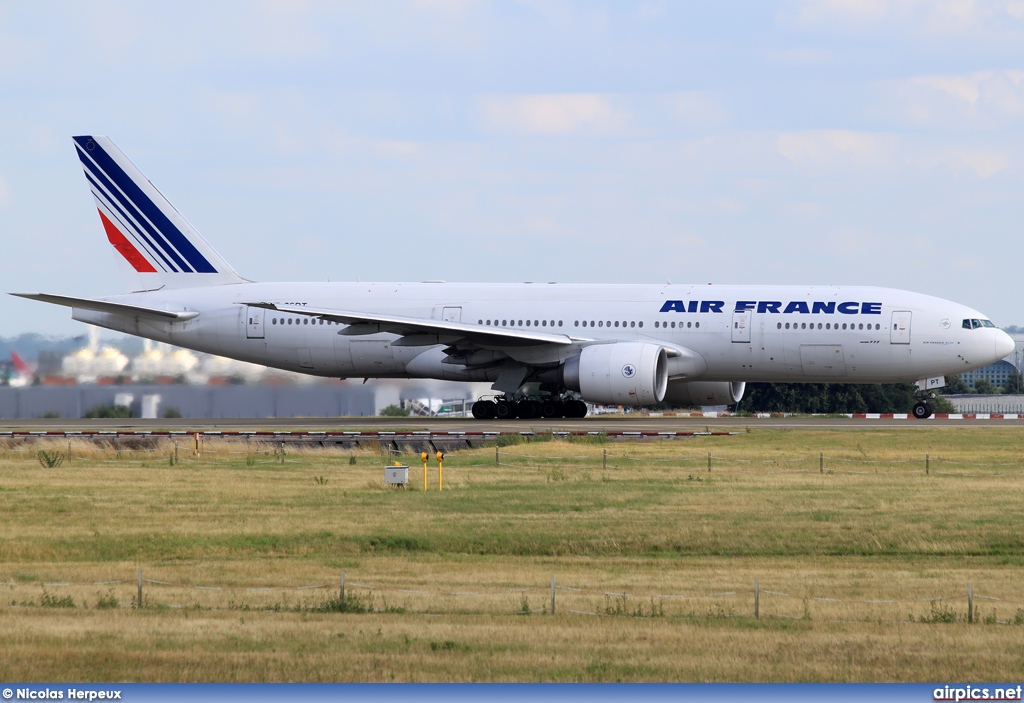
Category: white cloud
[966,88]
[969,100]
[830,147]
[5,195]
[698,107]
[550,115]
[984,164]
[939,17]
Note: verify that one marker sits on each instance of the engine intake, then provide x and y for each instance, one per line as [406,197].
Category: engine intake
[623,373]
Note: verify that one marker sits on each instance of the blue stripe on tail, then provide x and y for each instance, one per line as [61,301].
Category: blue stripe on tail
[166,232]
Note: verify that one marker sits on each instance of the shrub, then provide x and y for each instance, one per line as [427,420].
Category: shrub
[395,411]
[108,412]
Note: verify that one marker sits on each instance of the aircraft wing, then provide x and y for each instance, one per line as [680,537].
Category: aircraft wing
[371,323]
[114,308]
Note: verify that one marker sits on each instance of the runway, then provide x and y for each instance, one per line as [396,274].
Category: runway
[608,424]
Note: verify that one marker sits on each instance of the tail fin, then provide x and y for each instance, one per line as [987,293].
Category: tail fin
[19,365]
[144,228]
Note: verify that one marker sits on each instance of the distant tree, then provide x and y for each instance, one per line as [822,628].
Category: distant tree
[107,411]
[955,385]
[1013,329]
[1014,383]
[984,387]
[395,411]
[172,413]
[836,398]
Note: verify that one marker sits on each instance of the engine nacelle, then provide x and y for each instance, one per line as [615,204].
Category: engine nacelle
[623,373]
[694,393]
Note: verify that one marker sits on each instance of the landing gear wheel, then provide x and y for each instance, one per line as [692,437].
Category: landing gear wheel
[484,409]
[922,411]
[528,409]
[551,409]
[576,409]
[504,410]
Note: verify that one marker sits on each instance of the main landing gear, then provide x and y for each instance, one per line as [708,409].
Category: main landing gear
[508,408]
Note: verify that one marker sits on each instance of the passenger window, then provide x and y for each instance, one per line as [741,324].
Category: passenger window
[779,324]
[690,324]
[787,325]
[844,325]
[819,325]
[656,323]
[860,326]
[600,323]
[273,321]
[803,325]
[576,323]
[695,324]
[527,323]
[641,324]
[673,325]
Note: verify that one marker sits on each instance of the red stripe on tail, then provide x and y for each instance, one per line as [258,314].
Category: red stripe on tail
[125,247]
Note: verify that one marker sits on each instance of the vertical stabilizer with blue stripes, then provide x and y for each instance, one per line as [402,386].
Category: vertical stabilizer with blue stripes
[162,248]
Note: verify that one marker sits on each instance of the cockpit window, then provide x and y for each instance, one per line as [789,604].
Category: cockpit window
[987,323]
[967,324]
[976,324]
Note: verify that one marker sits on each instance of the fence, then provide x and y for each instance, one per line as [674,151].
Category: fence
[340,595]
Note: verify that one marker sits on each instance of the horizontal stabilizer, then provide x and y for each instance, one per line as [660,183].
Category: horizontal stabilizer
[397,324]
[113,308]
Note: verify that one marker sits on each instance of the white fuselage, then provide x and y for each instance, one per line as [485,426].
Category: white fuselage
[738,333]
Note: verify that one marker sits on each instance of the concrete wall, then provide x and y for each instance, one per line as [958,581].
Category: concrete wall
[323,400]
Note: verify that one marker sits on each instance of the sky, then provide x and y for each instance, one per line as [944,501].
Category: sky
[858,142]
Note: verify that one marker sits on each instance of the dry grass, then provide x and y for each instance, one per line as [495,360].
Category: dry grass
[453,569]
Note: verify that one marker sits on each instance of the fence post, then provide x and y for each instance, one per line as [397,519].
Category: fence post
[175,451]
[970,602]
[604,459]
[552,594]
[821,462]
[282,451]
[138,603]
[757,600]
[496,462]
[925,464]
[342,586]
[709,462]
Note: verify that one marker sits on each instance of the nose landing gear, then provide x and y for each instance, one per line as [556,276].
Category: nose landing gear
[922,410]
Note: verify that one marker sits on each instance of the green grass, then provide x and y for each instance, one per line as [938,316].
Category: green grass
[871,525]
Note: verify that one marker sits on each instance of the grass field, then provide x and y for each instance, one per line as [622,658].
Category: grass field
[862,560]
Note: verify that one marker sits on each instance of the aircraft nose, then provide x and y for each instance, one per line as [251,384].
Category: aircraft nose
[1004,344]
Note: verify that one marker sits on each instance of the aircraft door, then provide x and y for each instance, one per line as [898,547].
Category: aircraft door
[741,326]
[899,332]
[452,315]
[254,322]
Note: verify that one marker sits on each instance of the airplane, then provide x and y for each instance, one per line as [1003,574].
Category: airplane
[548,349]
[21,375]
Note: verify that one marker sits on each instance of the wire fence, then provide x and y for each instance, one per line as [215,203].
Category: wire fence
[966,606]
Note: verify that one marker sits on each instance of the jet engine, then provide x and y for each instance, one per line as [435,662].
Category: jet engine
[623,373]
[693,393]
